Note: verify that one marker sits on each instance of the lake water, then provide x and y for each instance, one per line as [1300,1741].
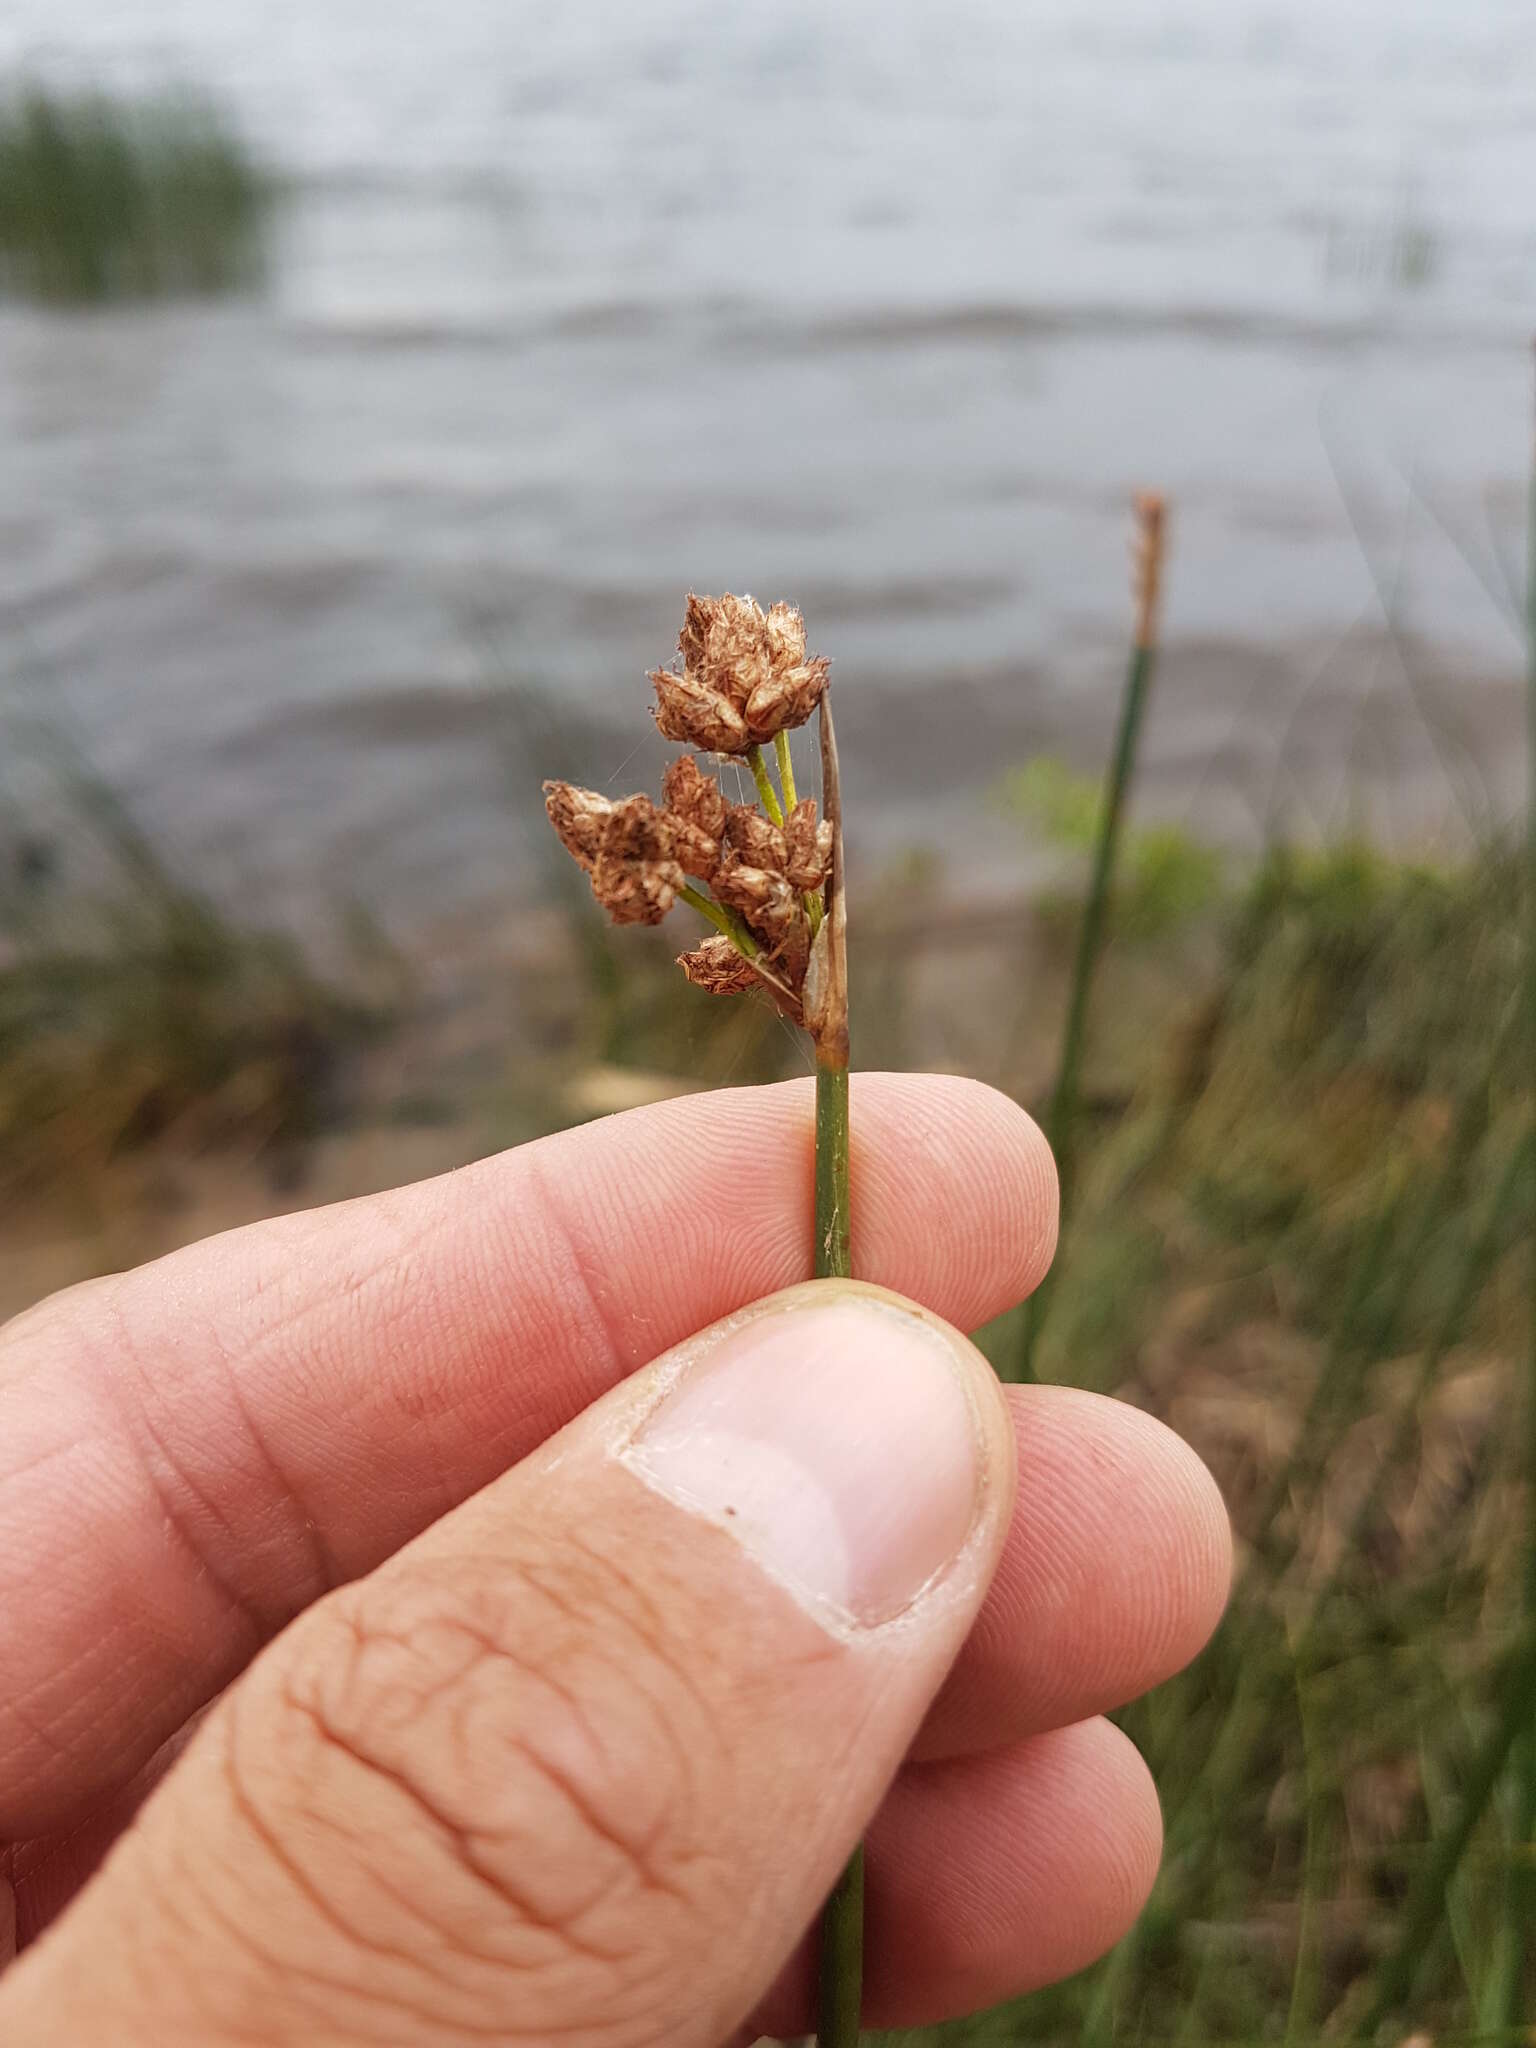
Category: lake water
[886,308]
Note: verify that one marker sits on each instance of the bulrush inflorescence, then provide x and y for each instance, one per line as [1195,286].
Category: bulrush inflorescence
[744,678]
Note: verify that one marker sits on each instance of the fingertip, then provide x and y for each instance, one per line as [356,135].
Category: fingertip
[991,1876]
[1150,1529]
[1206,1553]
[1114,1574]
[984,1161]
[1133,1842]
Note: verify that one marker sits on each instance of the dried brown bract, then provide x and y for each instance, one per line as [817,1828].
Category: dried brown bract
[745,676]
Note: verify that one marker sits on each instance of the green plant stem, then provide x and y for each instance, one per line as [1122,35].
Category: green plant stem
[1061,1117]
[842,1925]
[786,770]
[833,1261]
[767,794]
[1307,1973]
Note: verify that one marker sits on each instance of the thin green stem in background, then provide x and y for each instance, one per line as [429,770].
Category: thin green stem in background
[1061,1117]
[767,794]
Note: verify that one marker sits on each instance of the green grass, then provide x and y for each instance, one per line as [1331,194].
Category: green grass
[102,199]
[1304,1243]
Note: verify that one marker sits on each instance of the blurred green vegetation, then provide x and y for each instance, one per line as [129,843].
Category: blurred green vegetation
[133,1011]
[1164,874]
[102,199]
[1304,1241]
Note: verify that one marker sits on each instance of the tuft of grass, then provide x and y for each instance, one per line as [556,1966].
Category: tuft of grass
[102,199]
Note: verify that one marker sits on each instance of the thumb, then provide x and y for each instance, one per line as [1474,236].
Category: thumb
[582,1762]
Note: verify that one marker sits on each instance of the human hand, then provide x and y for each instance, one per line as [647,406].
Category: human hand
[592,1646]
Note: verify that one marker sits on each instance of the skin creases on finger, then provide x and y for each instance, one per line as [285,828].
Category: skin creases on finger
[1113,1574]
[598,1741]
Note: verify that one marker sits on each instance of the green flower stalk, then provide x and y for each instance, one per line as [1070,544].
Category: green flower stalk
[772,889]
[1062,1115]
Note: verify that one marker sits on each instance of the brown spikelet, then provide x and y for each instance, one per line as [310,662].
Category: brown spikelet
[578,816]
[698,615]
[636,876]
[716,965]
[689,711]
[744,675]
[784,636]
[762,899]
[808,848]
[786,698]
[695,801]
[753,839]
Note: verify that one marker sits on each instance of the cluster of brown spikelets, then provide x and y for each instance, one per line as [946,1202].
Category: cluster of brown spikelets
[743,677]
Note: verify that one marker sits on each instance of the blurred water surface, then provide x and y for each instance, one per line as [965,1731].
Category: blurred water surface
[885,308]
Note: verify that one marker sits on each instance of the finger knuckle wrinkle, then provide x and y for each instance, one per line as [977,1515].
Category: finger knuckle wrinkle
[505,1721]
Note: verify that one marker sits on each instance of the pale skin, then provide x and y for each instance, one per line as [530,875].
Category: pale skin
[404,1641]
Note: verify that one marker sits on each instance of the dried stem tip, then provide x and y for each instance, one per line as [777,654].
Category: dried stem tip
[1147,566]
[745,676]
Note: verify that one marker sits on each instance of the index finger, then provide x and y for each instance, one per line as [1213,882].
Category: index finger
[192,1452]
